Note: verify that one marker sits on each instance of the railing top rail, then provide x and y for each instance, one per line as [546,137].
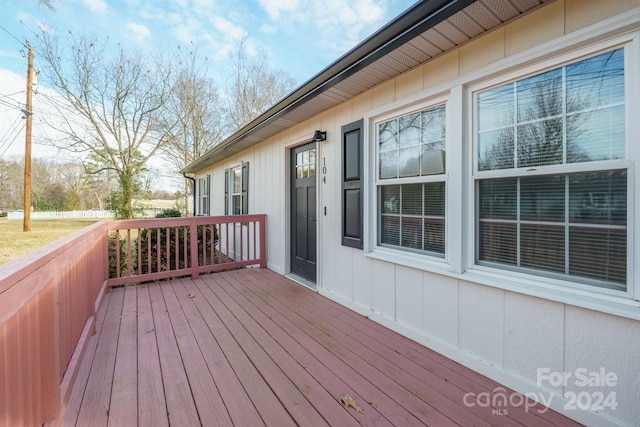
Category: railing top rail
[182,221]
[17,269]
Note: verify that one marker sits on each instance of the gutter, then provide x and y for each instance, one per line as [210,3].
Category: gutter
[413,22]
[193,192]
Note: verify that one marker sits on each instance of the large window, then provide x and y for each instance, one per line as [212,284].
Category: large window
[411,181]
[550,173]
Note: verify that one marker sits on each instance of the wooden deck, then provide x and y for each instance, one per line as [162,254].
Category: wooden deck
[249,347]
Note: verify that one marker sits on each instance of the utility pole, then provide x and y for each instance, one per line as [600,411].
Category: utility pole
[26,225]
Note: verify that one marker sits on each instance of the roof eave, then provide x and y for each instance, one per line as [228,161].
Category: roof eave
[414,21]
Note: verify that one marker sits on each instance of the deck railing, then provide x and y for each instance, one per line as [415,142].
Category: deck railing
[49,297]
[152,249]
[47,310]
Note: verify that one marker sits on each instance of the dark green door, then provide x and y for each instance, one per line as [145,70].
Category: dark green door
[303,211]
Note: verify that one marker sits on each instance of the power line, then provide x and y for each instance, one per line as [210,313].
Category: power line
[17,39]
[9,143]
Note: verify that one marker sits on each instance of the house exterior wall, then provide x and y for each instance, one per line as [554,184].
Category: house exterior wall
[500,330]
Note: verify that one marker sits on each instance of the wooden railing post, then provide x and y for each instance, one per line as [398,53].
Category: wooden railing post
[193,233]
[263,242]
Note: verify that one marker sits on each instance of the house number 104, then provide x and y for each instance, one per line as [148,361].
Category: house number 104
[324,170]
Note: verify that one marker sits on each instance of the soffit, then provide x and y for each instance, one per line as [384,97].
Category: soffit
[461,27]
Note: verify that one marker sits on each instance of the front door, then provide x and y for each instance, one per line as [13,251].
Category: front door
[303,212]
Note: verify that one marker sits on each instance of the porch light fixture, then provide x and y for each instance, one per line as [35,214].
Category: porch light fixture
[319,136]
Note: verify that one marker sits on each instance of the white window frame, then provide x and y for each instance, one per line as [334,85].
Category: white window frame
[422,101]
[632,86]
[230,174]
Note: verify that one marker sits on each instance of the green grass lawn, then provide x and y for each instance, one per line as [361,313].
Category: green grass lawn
[14,242]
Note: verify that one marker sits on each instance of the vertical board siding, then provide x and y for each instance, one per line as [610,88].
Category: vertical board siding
[46,299]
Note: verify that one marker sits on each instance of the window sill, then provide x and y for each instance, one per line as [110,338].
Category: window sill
[617,305]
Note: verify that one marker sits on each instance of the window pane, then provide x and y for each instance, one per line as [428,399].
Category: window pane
[542,247]
[433,124]
[434,198]
[542,198]
[237,180]
[408,161]
[434,235]
[596,81]
[312,170]
[432,158]
[498,243]
[390,233]
[409,130]
[312,155]
[388,135]
[236,204]
[412,233]
[596,135]
[598,198]
[498,199]
[599,254]
[299,159]
[495,149]
[540,143]
[389,164]
[411,199]
[390,195]
[540,96]
[496,108]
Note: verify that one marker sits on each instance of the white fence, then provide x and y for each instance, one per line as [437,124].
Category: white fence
[99,214]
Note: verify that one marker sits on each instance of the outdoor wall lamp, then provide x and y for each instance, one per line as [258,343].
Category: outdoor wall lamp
[319,136]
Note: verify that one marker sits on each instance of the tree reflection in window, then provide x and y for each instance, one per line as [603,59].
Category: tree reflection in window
[570,114]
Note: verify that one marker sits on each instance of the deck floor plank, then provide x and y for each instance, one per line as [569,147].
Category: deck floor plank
[96,401]
[209,404]
[152,407]
[249,347]
[177,391]
[124,394]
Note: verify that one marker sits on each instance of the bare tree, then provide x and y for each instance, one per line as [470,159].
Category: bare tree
[195,106]
[108,108]
[253,87]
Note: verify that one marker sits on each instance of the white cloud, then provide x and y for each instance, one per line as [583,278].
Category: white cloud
[97,6]
[139,32]
[275,7]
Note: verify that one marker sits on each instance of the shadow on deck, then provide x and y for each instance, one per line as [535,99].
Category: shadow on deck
[250,347]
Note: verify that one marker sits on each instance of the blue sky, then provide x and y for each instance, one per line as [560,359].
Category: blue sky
[301,37]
